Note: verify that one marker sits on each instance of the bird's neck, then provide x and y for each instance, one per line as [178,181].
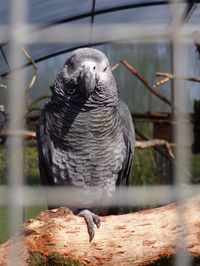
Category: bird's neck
[105,94]
[65,103]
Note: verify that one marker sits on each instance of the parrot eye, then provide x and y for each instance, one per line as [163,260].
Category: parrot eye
[105,69]
[94,67]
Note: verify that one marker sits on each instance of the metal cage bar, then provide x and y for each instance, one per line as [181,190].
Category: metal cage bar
[15,148]
[181,130]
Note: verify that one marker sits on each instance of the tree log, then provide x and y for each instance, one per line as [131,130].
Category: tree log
[142,238]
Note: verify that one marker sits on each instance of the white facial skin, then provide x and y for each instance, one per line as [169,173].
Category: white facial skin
[87,69]
[88,73]
[99,69]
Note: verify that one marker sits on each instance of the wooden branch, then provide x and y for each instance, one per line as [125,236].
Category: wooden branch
[3,87]
[113,68]
[34,77]
[152,116]
[33,115]
[147,85]
[196,37]
[141,238]
[33,106]
[156,142]
[2,108]
[139,144]
[198,48]
[167,77]
[157,116]
[22,133]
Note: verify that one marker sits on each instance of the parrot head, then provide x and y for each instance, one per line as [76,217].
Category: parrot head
[86,69]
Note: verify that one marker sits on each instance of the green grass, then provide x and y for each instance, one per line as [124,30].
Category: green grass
[31,170]
[2,167]
[30,212]
[144,167]
[31,167]
[33,211]
[195,167]
[32,178]
[3,225]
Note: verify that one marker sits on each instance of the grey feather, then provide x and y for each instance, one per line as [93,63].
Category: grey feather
[85,134]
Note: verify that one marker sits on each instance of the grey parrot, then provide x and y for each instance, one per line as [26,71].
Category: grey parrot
[85,135]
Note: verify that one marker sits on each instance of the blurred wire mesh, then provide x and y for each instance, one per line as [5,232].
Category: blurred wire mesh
[46,29]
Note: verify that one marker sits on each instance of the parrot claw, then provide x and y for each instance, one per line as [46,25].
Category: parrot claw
[91,219]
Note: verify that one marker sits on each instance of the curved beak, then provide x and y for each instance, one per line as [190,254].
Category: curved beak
[88,80]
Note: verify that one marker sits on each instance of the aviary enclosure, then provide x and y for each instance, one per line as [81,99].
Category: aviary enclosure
[154,49]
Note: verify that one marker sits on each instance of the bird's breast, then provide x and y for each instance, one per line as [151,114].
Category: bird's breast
[92,150]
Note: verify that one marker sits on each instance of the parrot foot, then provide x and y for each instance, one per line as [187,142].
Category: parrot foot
[91,219]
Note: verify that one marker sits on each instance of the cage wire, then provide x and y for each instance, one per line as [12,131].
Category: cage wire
[16,195]
[181,131]
[16,108]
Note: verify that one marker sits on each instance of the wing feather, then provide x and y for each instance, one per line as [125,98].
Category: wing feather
[44,144]
[129,138]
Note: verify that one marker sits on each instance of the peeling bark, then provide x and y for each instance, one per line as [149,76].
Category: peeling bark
[141,238]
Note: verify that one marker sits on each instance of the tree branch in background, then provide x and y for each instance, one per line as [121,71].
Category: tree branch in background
[155,142]
[167,77]
[147,85]
[198,48]
[34,77]
[139,144]
[22,133]
[33,106]
[196,37]
[140,136]
[3,87]
[113,68]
